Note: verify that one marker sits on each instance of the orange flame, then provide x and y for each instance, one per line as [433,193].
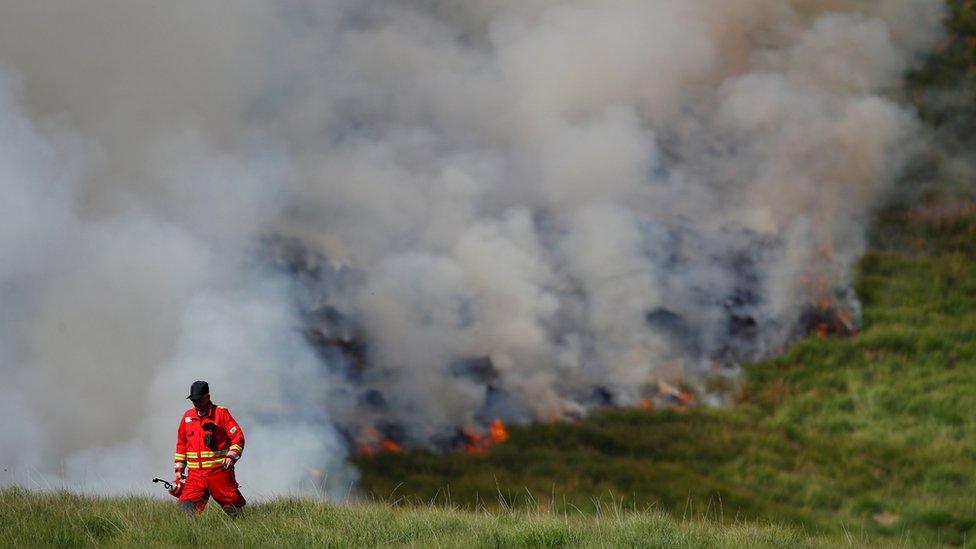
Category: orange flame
[498,431]
[372,442]
[478,443]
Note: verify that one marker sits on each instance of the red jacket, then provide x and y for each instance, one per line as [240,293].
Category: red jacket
[227,439]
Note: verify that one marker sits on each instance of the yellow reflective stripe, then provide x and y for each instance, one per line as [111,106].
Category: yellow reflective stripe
[205,464]
[213,454]
[237,448]
[192,455]
[179,456]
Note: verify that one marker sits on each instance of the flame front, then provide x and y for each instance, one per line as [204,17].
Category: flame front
[372,441]
[498,431]
[476,442]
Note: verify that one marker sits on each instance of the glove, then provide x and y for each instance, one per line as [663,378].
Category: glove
[177,486]
[230,460]
[180,472]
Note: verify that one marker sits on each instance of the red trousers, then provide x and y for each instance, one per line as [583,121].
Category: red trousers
[222,485]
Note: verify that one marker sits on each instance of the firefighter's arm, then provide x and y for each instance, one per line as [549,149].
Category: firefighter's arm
[236,435]
[179,458]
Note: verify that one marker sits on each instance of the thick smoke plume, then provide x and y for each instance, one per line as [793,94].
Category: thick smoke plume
[398,218]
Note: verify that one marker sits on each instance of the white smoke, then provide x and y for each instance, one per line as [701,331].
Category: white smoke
[584,193]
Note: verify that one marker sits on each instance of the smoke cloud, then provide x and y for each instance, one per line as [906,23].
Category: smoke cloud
[408,217]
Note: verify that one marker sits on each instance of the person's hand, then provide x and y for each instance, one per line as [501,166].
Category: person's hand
[230,460]
[177,485]
[180,473]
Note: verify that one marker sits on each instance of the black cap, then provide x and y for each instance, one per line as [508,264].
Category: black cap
[198,389]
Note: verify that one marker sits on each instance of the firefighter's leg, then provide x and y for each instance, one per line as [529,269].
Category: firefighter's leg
[226,492]
[195,494]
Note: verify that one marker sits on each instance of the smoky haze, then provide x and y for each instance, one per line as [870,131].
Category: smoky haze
[417,215]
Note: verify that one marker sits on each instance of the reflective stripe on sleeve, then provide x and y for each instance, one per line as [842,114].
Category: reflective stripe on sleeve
[237,448]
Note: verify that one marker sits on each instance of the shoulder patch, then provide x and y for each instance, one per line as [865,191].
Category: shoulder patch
[233,429]
[188,419]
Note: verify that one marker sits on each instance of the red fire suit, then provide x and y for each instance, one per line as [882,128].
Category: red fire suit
[206,476]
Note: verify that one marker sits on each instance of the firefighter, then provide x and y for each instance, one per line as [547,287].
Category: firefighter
[208,444]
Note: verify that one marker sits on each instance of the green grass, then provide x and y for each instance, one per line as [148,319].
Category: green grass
[62,520]
[826,437]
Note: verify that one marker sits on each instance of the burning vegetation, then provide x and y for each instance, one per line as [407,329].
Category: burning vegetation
[832,312]
[595,257]
[472,440]
[736,336]
[372,442]
[479,442]
[823,320]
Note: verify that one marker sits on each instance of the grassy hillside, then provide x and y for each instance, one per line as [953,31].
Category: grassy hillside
[874,434]
[866,440]
[32,520]
[860,441]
